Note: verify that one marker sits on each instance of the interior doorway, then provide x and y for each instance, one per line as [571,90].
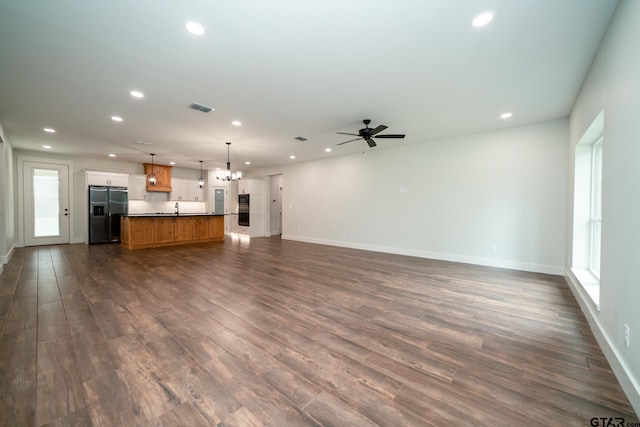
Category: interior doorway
[275,204]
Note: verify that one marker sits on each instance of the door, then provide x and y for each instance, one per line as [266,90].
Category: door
[275,208]
[45,203]
[218,205]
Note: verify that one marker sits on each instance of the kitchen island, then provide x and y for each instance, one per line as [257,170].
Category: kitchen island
[154,230]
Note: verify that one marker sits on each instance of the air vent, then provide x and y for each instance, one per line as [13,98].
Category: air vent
[200,107]
[300,138]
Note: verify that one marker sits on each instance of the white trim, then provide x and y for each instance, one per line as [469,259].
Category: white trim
[489,262]
[589,283]
[620,369]
[4,259]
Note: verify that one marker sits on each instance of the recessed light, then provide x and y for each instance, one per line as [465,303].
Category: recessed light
[292,157]
[506,115]
[116,118]
[236,123]
[328,150]
[482,19]
[172,163]
[137,94]
[48,147]
[247,163]
[49,130]
[111,155]
[195,28]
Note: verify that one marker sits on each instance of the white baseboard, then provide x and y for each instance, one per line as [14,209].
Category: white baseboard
[77,240]
[489,262]
[628,383]
[4,259]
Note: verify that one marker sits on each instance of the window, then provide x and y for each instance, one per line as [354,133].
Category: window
[587,209]
[596,207]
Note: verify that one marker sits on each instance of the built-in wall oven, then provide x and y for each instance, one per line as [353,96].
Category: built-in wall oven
[243,210]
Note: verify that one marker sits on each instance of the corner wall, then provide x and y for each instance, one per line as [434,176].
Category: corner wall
[613,85]
[494,198]
[7,205]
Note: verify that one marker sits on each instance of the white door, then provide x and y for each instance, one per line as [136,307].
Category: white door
[46,203]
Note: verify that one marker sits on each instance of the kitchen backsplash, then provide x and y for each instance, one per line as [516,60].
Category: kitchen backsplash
[154,206]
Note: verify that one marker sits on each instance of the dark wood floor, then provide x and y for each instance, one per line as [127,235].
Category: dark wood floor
[286,333]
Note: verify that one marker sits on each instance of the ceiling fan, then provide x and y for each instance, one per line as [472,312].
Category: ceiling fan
[368,133]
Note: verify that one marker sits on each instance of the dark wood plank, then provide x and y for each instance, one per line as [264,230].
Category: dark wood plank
[59,391]
[272,332]
[18,362]
[184,415]
[52,321]
[18,409]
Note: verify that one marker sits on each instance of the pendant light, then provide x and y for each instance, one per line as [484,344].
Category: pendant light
[201,181]
[152,176]
[227,175]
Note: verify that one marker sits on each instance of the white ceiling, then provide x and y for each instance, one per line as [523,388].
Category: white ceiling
[284,68]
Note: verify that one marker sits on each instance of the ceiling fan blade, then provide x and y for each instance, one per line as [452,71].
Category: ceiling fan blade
[390,135]
[371,142]
[378,129]
[351,140]
[345,133]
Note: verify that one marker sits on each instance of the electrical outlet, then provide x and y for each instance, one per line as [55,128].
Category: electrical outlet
[626,335]
[494,249]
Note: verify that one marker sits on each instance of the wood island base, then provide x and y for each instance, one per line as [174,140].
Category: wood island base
[139,232]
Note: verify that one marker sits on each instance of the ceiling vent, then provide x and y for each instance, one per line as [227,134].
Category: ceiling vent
[200,107]
[300,138]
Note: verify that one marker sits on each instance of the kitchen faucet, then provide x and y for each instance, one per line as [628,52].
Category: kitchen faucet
[177,209]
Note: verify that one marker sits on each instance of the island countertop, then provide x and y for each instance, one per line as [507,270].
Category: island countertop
[166,214]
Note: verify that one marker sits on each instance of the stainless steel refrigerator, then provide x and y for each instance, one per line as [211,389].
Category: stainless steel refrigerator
[106,206]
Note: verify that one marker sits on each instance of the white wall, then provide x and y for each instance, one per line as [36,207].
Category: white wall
[7,205]
[453,199]
[613,85]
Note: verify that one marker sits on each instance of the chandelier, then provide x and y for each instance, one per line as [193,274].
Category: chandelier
[227,175]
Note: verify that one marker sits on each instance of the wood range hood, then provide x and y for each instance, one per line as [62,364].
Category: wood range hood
[162,174]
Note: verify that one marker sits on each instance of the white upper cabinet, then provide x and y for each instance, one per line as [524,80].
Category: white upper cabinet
[179,190]
[137,186]
[196,194]
[107,178]
[186,190]
[250,186]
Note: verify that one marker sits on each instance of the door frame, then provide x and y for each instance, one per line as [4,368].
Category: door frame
[21,193]
[211,200]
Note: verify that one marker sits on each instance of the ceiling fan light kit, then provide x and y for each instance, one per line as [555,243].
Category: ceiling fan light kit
[367,134]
